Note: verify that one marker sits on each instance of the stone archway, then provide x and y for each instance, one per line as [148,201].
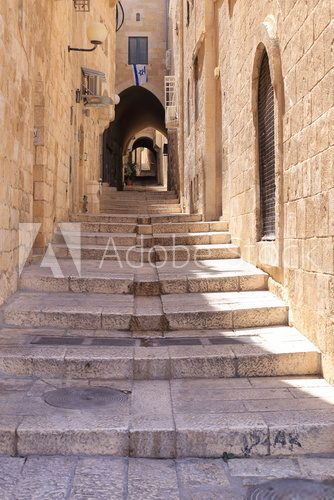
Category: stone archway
[138,109]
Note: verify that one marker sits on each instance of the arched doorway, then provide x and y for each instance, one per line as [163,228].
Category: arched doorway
[139,109]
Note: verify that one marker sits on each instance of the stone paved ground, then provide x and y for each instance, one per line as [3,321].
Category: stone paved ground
[141,479]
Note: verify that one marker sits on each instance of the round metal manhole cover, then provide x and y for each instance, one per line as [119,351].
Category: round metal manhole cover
[73,398]
[292,489]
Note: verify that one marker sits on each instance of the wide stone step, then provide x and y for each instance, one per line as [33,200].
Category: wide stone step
[197,252]
[124,312]
[104,218]
[95,238]
[158,219]
[154,254]
[137,208]
[190,227]
[81,237]
[104,354]
[121,199]
[146,195]
[122,278]
[135,219]
[102,227]
[244,418]
[208,238]
[223,310]
[143,212]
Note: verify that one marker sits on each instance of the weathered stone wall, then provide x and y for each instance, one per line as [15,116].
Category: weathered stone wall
[153,24]
[298,36]
[43,175]
[194,56]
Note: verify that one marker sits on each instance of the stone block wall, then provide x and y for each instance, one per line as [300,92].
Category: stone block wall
[43,172]
[152,24]
[298,36]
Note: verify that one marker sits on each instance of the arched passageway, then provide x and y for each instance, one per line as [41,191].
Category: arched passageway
[139,110]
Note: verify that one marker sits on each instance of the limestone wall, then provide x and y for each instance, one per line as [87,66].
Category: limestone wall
[298,36]
[50,148]
[153,24]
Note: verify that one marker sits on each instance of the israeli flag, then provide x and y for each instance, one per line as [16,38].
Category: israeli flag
[140,74]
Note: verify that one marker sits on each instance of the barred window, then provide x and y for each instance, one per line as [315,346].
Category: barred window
[138,50]
[266,134]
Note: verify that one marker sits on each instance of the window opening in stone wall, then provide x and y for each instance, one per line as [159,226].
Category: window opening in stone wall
[266,134]
[188,13]
[188,108]
[196,79]
[138,17]
[138,50]
[190,6]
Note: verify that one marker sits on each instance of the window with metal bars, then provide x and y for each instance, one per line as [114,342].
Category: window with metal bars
[138,50]
[266,134]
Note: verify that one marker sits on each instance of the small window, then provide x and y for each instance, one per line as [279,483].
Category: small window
[190,5]
[138,50]
[138,17]
[188,13]
[188,108]
[92,81]
[196,78]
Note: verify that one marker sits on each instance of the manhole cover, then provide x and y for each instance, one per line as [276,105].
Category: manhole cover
[292,489]
[73,398]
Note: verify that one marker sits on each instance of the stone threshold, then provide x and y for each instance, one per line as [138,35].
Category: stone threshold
[259,417]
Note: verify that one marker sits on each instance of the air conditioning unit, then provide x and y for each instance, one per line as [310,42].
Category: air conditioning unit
[97,101]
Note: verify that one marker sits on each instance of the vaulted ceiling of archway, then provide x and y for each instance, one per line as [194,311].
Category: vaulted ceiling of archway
[137,110]
[143,142]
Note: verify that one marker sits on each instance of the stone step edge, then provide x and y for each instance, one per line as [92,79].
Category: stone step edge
[88,284]
[162,235]
[240,316]
[158,363]
[168,248]
[138,219]
[151,255]
[138,229]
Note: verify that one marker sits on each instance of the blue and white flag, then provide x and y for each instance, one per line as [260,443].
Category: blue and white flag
[140,74]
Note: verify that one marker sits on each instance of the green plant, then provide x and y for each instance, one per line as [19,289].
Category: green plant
[130,171]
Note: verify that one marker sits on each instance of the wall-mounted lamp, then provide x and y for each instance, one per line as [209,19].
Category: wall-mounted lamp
[96,33]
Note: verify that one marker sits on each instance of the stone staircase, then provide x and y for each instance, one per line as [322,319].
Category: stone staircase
[139,202]
[200,353]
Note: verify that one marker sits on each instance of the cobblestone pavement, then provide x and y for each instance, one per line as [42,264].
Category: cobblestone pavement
[142,479]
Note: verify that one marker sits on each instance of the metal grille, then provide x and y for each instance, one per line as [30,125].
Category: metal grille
[266,112]
[170,91]
[133,342]
[82,5]
[171,102]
